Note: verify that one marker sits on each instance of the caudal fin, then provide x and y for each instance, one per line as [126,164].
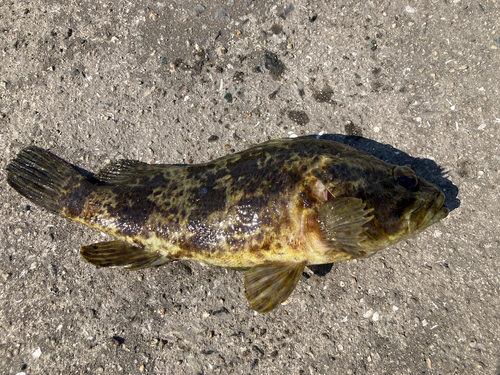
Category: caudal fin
[46,180]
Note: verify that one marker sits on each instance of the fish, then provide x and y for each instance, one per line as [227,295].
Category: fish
[270,210]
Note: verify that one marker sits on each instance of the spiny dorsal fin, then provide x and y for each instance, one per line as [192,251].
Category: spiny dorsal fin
[342,223]
[121,171]
[122,254]
[269,285]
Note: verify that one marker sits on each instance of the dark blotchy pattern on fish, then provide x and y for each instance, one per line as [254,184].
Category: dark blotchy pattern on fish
[172,199]
[273,208]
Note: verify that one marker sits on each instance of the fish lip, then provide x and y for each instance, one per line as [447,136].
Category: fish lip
[436,210]
[441,214]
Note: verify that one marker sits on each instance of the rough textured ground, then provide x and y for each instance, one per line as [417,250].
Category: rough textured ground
[185,82]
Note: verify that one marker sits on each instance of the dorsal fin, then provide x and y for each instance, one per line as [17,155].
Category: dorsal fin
[121,171]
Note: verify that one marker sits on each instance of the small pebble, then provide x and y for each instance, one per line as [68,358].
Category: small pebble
[288,9]
[199,9]
[228,97]
[52,269]
[37,353]
[213,138]
[222,15]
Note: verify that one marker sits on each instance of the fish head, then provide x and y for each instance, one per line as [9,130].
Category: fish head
[393,203]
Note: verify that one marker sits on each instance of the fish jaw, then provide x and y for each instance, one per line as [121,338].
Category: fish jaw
[427,213]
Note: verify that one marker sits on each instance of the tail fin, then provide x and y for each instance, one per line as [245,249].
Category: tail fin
[46,180]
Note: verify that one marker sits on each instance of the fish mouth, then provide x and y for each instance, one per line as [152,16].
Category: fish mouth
[427,213]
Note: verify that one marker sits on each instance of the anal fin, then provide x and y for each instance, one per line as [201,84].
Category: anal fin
[122,254]
[269,285]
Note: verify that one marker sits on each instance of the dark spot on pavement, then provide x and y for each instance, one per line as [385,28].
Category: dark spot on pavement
[324,96]
[238,77]
[352,129]
[272,64]
[299,117]
[276,29]
[228,97]
[465,168]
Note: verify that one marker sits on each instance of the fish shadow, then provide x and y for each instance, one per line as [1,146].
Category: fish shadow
[425,168]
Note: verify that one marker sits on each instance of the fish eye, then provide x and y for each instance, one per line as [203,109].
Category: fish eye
[405,177]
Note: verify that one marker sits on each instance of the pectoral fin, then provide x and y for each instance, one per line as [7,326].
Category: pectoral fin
[122,254]
[342,223]
[269,285]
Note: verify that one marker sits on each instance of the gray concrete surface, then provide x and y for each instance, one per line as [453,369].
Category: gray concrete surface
[187,81]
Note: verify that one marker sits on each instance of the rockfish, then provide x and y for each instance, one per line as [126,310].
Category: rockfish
[271,210]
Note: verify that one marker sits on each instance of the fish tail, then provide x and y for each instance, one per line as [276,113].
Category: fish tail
[48,181]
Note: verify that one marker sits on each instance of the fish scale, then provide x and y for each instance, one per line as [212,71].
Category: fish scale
[272,209]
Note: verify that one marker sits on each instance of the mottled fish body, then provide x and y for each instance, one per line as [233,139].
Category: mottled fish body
[271,209]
